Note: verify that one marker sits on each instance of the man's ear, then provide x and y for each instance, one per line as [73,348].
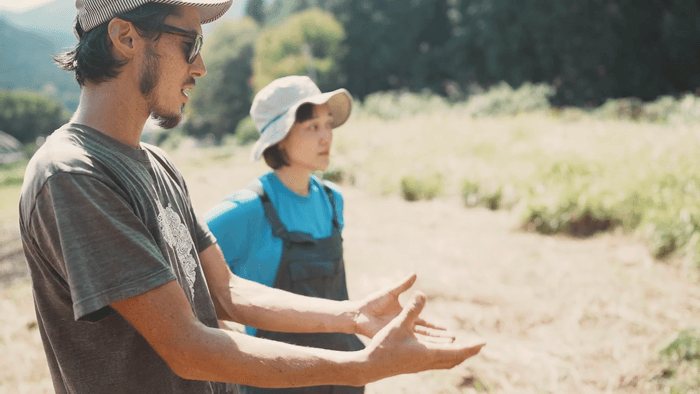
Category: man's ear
[124,38]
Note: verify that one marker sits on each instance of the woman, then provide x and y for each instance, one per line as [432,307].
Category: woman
[284,229]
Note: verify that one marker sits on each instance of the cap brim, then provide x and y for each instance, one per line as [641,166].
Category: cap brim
[339,101]
[93,15]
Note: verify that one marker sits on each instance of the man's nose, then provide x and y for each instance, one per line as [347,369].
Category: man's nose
[197,68]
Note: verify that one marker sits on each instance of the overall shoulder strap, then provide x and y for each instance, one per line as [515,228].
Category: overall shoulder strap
[329,192]
[278,228]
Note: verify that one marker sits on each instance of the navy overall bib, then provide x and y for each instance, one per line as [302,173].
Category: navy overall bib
[310,267]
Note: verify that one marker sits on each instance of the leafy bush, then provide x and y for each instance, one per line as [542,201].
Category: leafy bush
[680,363]
[664,109]
[223,98]
[308,43]
[337,175]
[503,100]
[621,109]
[246,132]
[411,188]
[395,105]
[27,115]
[470,193]
[475,195]
[425,188]
[569,216]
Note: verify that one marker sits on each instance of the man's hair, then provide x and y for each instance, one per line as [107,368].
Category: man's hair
[92,58]
[274,156]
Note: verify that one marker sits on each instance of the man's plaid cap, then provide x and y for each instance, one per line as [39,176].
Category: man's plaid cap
[92,13]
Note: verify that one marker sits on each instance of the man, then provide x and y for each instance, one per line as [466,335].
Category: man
[128,284]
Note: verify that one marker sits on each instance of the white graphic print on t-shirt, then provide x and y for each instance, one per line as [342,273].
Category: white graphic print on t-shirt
[178,237]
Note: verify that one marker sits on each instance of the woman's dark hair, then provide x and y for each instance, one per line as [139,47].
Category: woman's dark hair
[276,157]
[92,59]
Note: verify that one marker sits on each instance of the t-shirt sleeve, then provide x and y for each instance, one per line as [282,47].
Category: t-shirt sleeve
[204,238]
[100,247]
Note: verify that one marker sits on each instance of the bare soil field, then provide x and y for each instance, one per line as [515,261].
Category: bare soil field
[559,315]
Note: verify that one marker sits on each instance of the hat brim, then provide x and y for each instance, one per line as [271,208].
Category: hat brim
[92,15]
[339,101]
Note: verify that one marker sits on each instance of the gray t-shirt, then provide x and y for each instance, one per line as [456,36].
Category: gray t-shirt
[100,222]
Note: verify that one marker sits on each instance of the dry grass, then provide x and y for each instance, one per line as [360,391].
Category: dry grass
[560,315]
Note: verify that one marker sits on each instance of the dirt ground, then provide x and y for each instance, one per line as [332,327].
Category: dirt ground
[559,315]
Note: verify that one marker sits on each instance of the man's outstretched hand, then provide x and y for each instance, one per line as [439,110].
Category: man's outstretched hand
[398,349]
[380,308]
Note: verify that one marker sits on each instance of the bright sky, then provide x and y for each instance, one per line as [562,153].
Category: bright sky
[21,5]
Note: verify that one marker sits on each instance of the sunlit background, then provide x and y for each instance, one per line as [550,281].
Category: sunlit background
[536,163]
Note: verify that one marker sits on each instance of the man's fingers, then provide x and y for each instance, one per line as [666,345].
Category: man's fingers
[425,339]
[428,324]
[450,355]
[404,285]
[432,332]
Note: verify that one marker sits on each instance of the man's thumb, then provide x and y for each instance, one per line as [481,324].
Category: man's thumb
[414,308]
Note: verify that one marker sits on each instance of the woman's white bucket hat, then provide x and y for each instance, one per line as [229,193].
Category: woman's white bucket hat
[275,106]
[92,13]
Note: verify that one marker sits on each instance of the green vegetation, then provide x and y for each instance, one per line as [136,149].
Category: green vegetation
[337,175]
[308,43]
[12,173]
[394,105]
[680,364]
[27,115]
[246,132]
[585,49]
[503,100]
[223,98]
[570,171]
[474,195]
[30,66]
[424,188]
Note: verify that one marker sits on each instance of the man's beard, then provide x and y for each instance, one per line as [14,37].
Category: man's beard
[148,81]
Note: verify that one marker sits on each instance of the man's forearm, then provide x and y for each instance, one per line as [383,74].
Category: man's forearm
[259,306]
[225,356]
[255,305]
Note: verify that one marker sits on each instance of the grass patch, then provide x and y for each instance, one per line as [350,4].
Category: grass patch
[473,195]
[680,364]
[12,174]
[9,204]
[564,171]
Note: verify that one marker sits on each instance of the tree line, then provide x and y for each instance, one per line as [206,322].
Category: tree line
[587,50]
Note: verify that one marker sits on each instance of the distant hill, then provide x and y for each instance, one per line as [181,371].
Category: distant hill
[33,36]
[54,21]
[30,67]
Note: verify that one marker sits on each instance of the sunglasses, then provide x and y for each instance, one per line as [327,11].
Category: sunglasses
[195,46]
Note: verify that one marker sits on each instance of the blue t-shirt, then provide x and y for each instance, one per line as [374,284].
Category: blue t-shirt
[245,235]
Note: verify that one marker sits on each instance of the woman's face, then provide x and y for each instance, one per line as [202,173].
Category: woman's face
[308,144]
